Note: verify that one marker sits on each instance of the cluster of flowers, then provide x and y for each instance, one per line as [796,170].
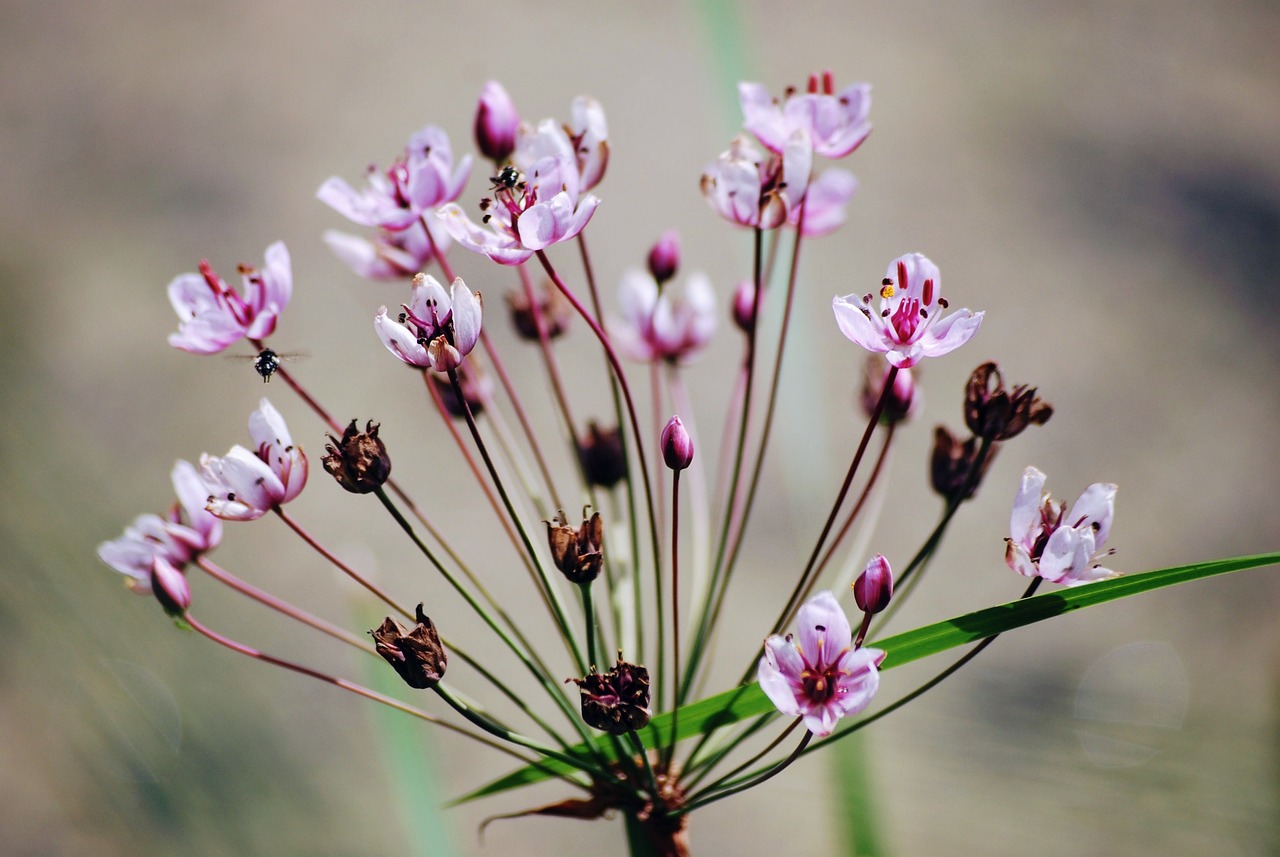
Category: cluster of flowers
[543,179]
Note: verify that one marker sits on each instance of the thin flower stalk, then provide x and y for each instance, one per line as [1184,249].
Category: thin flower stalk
[729,775]
[749,781]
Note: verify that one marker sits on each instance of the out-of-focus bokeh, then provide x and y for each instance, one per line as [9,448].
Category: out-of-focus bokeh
[1103,179]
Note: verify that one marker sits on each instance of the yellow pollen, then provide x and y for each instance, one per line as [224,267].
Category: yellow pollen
[887,291]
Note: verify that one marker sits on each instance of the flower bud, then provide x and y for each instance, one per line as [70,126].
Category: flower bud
[577,553]
[904,400]
[602,456]
[677,446]
[744,306]
[170,587]
[496,123]
[874,587]
[552,306]
[359,461]
[664,258]
[616,702]
[994,413]
[951,465]
[418,655]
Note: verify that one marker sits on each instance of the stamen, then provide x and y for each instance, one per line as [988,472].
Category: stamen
[928,292]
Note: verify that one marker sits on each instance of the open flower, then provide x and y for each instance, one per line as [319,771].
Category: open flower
[824,203]
[437,328]
[421,179]
[244,485]
[746,187]
[1062,546]
[673,323]
[908,326]
[817,674]
[390,255]
[212,315]
[836,124]
[585,140]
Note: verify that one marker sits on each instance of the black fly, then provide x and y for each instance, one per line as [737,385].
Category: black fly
[267,362]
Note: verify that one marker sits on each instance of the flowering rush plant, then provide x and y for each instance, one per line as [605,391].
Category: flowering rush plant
[620,714]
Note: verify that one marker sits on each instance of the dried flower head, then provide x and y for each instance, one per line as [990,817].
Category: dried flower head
[952,465]
[552,308]
[577,553]
[602,456]
[617,701]
[994,413]
[359,461]
[417,655]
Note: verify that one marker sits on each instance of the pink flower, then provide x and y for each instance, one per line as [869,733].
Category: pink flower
[177,539]
[835,124]
[421,179]
[673,323]
[585,141]
[389,255]
[212,315]
[244,485]
[908,325]
[747,188]
[496,122]
[817,674]
[436,329]
[825,202]
[529,211]
[1061,546]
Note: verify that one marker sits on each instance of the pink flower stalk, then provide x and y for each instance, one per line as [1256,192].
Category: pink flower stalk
[673,323]
[436,329]
[909,325]
[390,255]
[817,674]
[750,189]
[212,315]
[1046,540]
[835,124]
[178,538]
[496,123]
[421,179]
[244,485]
[824,204]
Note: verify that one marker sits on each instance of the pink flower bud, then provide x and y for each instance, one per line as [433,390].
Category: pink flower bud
[496,123]
[664,258]
[744,306]
[677,446]
[170,587]
[874,587]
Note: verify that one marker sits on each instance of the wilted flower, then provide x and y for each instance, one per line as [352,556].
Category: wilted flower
[577,553]
[905,399]
[436,330]
[423,178]
[602,457]
[212,315]
[677,446]
[994,413]
[1046,540]
[244,485]
[951,465]
[552,307]
[617,701]
[477,390]
[909,325]
[417,655]
[835,124]
[817,674]
[746,187]
[496,122]
[672,323]
[359,461]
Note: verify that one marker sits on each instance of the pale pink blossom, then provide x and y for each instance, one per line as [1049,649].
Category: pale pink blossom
[212,315]
[816,673]
[421,179]
[244,485]
[528,212]
[390,255]
[908,324]
[672,323]
[436,328]
[585,140]
[835,123]
[824,204]
[749,188]
[1048,540]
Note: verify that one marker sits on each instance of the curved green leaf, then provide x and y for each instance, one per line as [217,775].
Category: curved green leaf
[731,706]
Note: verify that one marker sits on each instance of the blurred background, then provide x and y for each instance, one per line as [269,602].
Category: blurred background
[1103,179]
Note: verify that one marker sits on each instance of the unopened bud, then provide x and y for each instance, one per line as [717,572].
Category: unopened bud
[601,454]
[744,306]
[417,655]
[874,587]
[170,587]
[359,461]
[952,465]
[496,123]
[904,400]
[994,413]
[617,701]
[577,553]
[677,446]
[664,258]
